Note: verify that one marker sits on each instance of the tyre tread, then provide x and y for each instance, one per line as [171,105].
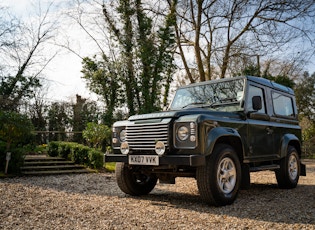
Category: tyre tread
[126,181]
[282,177]
[206,185]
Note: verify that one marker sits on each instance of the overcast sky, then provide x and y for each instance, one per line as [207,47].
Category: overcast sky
[63,72]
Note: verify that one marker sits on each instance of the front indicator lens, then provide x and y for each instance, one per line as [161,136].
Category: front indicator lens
[124,148]
[182,133]
[159,148]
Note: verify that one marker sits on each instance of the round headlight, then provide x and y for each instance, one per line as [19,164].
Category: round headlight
[124,148]
[122,135]
[159,148]
[182,133]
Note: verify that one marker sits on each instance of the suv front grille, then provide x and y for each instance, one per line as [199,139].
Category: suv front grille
[144,136]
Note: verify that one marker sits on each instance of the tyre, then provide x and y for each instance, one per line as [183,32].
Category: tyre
[132,182]
[219,179]
[289,172]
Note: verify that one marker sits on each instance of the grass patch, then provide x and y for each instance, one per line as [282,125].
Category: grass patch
[110,166]
[9,175]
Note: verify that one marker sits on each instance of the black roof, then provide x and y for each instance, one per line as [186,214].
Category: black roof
[258,80]
[271,84]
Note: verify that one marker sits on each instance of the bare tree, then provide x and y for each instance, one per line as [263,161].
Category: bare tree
[22,55]
[222,31]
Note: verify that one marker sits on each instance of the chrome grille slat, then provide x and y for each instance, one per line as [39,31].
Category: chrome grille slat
[154,125]
[147,138]
[143,142]
[147,134]
[144,136]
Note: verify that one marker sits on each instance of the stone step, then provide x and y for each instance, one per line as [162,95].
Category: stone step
[52,167]
[41,158]
[55,172]
[45,165]
[49,162]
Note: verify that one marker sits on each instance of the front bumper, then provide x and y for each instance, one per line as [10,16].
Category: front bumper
[184,160]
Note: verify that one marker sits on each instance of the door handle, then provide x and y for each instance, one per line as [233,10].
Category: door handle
[269,130]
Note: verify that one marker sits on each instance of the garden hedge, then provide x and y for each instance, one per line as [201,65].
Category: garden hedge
[78,153]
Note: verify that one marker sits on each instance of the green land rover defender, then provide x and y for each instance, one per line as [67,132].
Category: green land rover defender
[216,132]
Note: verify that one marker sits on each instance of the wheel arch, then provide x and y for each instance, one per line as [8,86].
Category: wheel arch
[290,140]
[228,136]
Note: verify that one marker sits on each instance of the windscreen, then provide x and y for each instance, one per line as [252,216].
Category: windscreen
[222,95]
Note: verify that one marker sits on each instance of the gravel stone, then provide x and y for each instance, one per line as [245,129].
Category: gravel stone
[93,201]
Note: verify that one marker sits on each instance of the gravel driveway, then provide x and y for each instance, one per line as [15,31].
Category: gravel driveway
[93,201]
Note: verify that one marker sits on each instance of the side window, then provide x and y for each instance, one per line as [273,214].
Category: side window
[282,105]
[255,91]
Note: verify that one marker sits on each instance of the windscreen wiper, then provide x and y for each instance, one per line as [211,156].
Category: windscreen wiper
[213,104]
[195,103]
[224,101]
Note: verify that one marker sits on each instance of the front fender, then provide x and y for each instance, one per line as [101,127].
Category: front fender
[289,139]
[216,134]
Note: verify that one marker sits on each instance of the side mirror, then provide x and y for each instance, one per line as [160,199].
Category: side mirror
[257,103]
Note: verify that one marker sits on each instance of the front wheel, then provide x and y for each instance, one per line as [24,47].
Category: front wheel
[289,172]
[219,180]
[134,182]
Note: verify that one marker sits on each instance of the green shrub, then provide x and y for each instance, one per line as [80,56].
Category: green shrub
[78,153]
[2,155]
[96,159]
[53,148]
[15,129]
[15,137]
[40,149]
[64,149]
[96,134]
[16,161]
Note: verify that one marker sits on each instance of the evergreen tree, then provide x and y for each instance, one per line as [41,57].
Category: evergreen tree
[139,74]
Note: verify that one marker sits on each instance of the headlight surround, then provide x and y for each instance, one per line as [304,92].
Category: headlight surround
[182,133]
[122,135]
[118,136]
[185,134]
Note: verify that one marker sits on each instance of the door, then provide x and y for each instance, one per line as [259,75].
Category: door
[260,129]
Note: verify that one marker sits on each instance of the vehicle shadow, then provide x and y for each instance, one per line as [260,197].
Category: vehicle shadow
[264,202]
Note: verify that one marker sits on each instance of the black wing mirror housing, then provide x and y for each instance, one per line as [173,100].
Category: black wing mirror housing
[257,103]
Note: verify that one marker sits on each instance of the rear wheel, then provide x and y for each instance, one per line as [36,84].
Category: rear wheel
[289,172]
[219,180]
[134,182]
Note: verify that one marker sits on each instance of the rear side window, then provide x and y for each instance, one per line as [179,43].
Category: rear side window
[255,91]
[282,105]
